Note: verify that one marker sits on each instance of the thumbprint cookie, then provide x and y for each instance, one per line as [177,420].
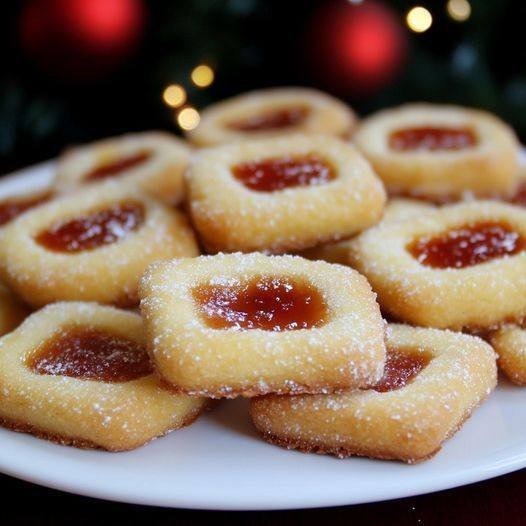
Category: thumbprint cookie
[93,245]
[509,343]
[460,266]
[396,209]
[266,113]
[79,374]
[440,152]
[281,194]
[433,381]
[248,324]
[154,161]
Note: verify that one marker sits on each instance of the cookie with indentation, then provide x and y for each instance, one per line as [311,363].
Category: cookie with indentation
[281,194]
[244,325]
[509,343]
[267,113]
[395,210]
[440,151]
[93,245]
[432,383]
[79,374]
[152,161]
[460,266]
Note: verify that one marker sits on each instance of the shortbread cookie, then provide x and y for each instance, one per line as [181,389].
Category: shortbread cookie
[93,246]
[395,210]
[433,381]
[245,325]
[461,266]
[509,343]
[282,194]
[79,374]
[154,161]
[440,151]
[270,112]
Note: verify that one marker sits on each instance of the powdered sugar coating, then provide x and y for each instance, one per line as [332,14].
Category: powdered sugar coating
[478,296]
[107,274]
[484,169]
[409,423]
[322,114]
[230,217]
[348,350]
[161,174]
[114,416]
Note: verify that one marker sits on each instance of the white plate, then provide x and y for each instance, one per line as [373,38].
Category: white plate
[220,463]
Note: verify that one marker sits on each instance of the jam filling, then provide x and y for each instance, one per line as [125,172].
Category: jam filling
[91,354]
[400,369]
[270,175]
[429,138]
[93,230]
[467,246]
[13,207]
[271,304]
[118,167]
[271,120]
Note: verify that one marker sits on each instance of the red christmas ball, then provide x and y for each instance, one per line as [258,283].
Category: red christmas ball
[80,39]
[356,47]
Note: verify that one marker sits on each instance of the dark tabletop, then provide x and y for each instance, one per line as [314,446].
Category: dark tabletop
[497,501]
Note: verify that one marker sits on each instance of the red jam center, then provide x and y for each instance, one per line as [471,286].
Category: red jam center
[91,354]
[270,175]
[430,138]
[118,167]
[400,369]
[94,230]
[271,304]
[271,120]
[467,246]
[13,207]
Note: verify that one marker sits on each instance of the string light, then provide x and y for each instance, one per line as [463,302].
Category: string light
[188,118]
[174,95]
[202,76]
[419,19]
[458,10]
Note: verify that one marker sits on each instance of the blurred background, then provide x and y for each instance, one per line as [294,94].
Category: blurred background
[77,70]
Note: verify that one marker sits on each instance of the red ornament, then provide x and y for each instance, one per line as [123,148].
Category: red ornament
[80,39]
[356,48]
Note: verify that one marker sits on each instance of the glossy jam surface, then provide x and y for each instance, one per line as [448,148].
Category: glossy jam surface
[11,208]
[270,175]
[118,166]
[91,354]
[93,230]
[271,120]
[400,369]
[430,138]
[467,246]
[270,304]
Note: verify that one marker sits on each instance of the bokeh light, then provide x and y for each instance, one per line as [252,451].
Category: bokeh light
[458,10]
[419,19]
[188,118]
[174,95]
[202,76]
